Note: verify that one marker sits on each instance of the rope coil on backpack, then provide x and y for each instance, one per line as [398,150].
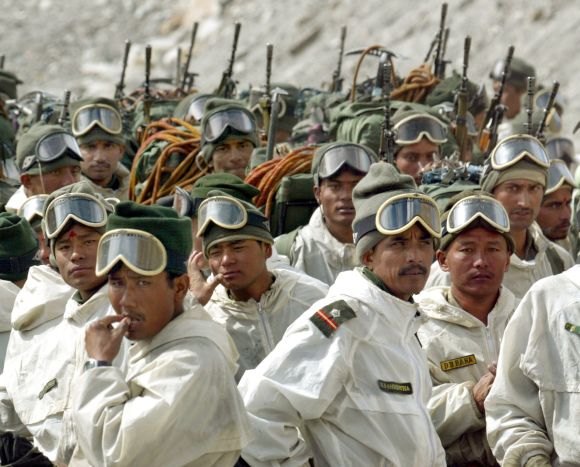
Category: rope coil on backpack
[416,85]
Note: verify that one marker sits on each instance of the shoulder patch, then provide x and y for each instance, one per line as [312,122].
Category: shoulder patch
[459,362]
[329,318]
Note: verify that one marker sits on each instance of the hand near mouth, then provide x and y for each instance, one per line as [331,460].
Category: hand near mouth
[103,340]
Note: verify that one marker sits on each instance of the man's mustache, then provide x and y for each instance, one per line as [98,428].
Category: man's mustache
[412,269]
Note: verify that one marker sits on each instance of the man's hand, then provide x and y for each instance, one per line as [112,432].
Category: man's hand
[102,340]
[200,288]
[483,386]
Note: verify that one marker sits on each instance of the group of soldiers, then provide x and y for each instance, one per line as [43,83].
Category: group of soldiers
[425,310]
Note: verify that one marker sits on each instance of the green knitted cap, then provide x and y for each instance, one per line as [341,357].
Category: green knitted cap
[96,134]
[172,230]
[518,73]
[259,229]
[18,247]
[381,183]
[225,182]
[523,169]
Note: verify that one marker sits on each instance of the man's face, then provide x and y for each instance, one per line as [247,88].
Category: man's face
[240,262]
[150,302]
[101,159]
[335,197]
[402,261]
[232,156]
[75,252]
[511,98]
[555,214]
[412,159]
[50,181]
[476,261]
[521,199]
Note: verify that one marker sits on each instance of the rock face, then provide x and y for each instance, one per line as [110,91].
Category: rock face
[58,44]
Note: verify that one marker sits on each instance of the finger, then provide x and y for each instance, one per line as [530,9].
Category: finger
[492,368]
[199,259]
[214,281]
[108,320]
[122,329]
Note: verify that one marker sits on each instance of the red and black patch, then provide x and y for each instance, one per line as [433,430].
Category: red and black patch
[329,318]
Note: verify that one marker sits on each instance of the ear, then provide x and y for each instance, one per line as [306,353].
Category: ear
[25,180]
[442,260]
[181,286]
[267,250]
[507,262]
[316,190]
[368,258]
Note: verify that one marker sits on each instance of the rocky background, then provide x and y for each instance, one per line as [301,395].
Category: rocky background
[74,44]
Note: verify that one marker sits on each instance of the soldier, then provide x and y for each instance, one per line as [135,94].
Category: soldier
[32,210]
[466,323]
[350,373]
[254,303]
[532,409]
[45,352]
[18,252]
[178,403]
[517,177]
[324,248]
[228,136]
[48,158]
[98,127]
[516,83]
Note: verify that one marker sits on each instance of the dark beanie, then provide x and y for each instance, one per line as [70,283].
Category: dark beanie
[18,247]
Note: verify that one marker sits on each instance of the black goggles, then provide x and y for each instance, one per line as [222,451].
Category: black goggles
[218,123]
[96,115]
[348,155]
[558,174]
[469,209]
[51,148]
[414,128]
[32,208]
[184,204]
[514,148]
[560,148]
[80,207]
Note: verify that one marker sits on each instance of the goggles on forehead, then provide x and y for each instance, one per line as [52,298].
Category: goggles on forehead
[347,155]
[400,213]
[140,251]
[560,148]
[184,204]
[477,207]
[514,148]
[96,115]
[196,108]
[80,207]
[558,174]
[414,128]
[32,208]
[235,119]
[51,148]
[227,213]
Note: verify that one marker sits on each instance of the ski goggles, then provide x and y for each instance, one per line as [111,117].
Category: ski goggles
[399,213]
[227,213]
[560,148]
[184,204]
[80,207]
[140,251]
[51,148]
[196,108]
[558,174]
[477,207]
[514,148]
[348,155]
[234,119]
[414,128]
[32,208]
[542,100]
[104,116]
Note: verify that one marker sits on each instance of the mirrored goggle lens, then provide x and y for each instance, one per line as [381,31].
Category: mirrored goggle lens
[196,108]
[465,211]
[139,251]
[412,130]
[55,145]
[85,210]
[86,118]
[182,202]
[513,149]
[560,148]
[543,98]
[498,70]
[396,215]
[225,212]
[217,124]
[336,158]
[558,174]
[32,207]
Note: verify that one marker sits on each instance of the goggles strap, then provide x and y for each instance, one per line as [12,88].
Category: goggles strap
[19,264]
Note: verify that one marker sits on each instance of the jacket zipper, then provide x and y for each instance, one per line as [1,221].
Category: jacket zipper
[266,330]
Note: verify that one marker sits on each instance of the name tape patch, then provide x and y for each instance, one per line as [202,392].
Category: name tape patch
[459,362]
[53,383]
[395,388]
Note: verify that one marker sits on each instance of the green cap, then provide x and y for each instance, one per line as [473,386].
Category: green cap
[225,182]
[381,183]
[522,169]
[172,230]
[259,230]
[96,133]
[447,90]
[18,247]
[8,84]
[518,73]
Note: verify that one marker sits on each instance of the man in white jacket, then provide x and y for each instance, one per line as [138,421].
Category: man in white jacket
[45,352]
[254,303]
[178,404]
[466,323]
[533,409]
[348,384]
[517,179]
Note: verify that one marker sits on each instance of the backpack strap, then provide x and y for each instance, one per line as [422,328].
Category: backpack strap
[284,242]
